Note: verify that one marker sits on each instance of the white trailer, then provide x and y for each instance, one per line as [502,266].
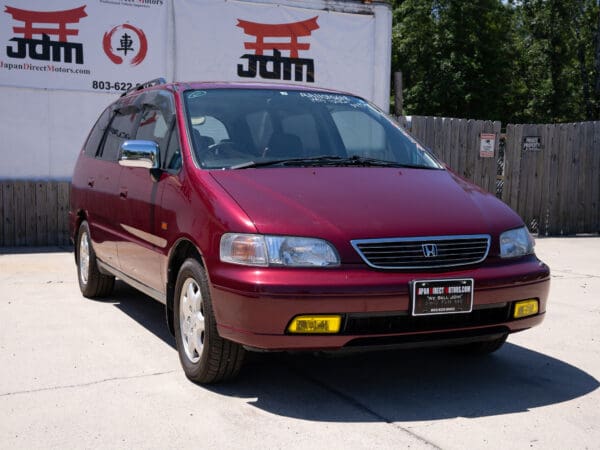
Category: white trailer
[62,63]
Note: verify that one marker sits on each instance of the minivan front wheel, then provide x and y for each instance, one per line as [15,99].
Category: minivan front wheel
[92,283]
[205,356]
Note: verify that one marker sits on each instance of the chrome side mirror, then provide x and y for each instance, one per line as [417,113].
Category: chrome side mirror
[142,154]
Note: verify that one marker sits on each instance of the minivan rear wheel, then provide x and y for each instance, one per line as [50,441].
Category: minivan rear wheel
[205,356]
[92,282]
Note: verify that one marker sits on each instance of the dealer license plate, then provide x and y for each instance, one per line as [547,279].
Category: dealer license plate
[442,297]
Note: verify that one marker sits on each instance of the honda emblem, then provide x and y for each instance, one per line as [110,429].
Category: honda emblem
[429,250]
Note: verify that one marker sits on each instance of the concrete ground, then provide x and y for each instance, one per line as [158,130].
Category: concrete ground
[76,373]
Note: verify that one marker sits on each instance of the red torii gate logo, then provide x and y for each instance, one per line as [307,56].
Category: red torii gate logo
[275,66]
[39,23]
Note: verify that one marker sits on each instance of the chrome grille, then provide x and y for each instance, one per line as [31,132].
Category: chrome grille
[410,253]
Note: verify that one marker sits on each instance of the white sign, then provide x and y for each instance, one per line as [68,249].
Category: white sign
[239,41]
[486,145]
[98,45]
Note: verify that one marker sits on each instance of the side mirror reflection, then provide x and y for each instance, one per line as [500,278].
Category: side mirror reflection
[139,153]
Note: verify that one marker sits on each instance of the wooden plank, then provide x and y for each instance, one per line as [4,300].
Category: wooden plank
[476,160]
[524,174]
[488,166]
[415,128]
[429,137]
[572,175]
[19,213]
[508,163]
[30,215]
[472,149]
[591,173]
[536,206]
[582,179]
[8,214]
[595,204]
[543,180]
[463,138]
[438,138]
[497,127]
[512,168]
[553,174]
[41,214]
[52,212]
[452,143]
[529,175]
[445,140]
[63,212]
[565,156]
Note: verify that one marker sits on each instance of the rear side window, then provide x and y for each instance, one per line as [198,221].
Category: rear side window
[120,130]
[95,137]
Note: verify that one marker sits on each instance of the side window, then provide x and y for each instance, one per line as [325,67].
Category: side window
[153,127]
[172,158]
[362,135]
[120,130]
[95,136]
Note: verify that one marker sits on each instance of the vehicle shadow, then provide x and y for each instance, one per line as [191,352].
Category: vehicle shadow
[399,385]
[143,309]
[408,385]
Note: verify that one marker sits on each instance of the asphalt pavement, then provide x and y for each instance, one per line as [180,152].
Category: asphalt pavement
[77,373]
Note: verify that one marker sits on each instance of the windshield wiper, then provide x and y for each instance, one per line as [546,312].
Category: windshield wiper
[328,161]
[300,162]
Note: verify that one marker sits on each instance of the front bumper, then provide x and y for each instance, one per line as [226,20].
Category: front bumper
[254,306]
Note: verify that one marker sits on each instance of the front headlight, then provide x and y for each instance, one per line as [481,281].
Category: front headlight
[287,251]
[517,242]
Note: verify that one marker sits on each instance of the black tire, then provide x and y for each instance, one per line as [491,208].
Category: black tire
[92,284]
[205,356]
[484,347]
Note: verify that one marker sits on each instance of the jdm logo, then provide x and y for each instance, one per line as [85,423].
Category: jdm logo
[45,34]
[279,38]
[125,43]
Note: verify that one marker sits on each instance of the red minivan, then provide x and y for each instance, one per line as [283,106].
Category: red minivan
[282,217]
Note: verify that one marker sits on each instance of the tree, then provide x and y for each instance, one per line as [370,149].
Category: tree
[456,57]
[515,60]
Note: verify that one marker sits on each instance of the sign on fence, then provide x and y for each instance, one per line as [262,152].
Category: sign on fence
[532,144]
[486,145]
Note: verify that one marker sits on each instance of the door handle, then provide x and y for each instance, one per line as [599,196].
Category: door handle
[91,182]
[123,192]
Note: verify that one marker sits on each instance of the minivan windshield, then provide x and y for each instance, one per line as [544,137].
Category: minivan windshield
[246,128]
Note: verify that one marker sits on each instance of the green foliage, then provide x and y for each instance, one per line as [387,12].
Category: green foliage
[525,61]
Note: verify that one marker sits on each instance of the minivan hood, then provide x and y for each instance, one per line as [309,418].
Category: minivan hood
[345,203]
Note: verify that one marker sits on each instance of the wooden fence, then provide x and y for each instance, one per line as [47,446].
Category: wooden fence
[34,213]
[550,174]
[457,142]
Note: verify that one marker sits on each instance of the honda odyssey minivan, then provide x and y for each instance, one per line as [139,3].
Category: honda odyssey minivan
[272,217]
